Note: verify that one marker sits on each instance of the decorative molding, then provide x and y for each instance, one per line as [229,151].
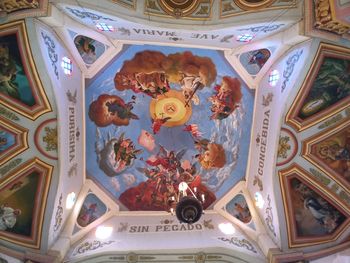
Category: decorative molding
[288,71]
[242,243]
[126,3]
[230,8]
[326,19]
[277,256]
[331,121]
[51,51]
[8,114]
[328,183]
[10,166]
[188,9]
[256,5]
[10,6]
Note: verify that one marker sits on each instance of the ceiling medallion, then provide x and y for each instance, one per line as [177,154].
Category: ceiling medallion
[179,8]
[253,4]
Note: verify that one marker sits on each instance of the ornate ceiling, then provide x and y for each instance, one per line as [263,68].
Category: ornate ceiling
[105,109]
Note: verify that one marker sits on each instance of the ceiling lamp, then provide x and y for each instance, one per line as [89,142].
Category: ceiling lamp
[188,208]
[103,232]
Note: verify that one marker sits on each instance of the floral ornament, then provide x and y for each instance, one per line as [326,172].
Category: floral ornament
[83,14]
[264,29]
[122,227]
[267,99]
[51,50]
[208,224]
[283,147]
[257,181]
[50,139]
[269,218]
[243,243]
[90,246]
[58,216]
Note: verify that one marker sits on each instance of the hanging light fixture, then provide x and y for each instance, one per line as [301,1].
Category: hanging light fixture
[187,204]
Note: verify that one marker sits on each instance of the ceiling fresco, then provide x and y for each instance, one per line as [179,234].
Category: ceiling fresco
[136,120]
[313,216]
[254,60]
[160,115]
[330,151]
[20,88]
[22,221]
[13,139]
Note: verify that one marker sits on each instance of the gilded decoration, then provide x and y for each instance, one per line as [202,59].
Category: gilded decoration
[229,8]
[314,215]
[21,89]
[45,138]
[188,9]
[13,140]
[283,147]
[30,182]
[50,139]
[10,6]
[326,19]
[9,166]
[325,90]
[329,151]
[287,147]
[126,3]
[253,4]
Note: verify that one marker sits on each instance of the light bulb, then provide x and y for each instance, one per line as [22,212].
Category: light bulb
[70,200]
[103,232]
[183,186]
[227,228]
[259,201]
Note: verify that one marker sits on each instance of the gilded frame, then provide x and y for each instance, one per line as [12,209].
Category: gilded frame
[307,147]
[295,241]
[292,118]
[45,170]
[42,104]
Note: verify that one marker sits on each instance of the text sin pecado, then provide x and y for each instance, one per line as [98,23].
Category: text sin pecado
[165,228]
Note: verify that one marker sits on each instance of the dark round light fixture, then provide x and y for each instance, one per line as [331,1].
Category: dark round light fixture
[189,210]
